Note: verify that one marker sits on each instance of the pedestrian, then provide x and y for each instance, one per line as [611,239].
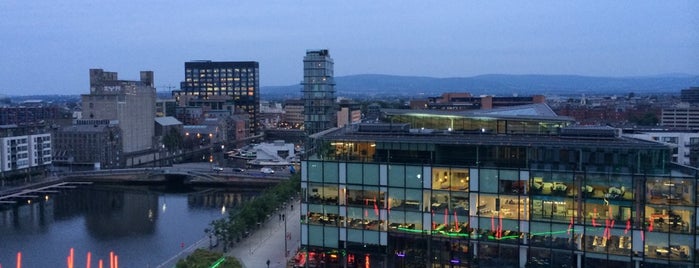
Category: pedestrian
[280,217]
[292,207]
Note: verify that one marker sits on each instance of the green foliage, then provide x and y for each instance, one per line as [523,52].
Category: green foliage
[173,140]
[234,227]
[201,258]
[647,119]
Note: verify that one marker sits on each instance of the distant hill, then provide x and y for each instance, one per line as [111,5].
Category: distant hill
[379,85]
[494,84]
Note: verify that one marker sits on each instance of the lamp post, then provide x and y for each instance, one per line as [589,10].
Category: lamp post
[222,159]
[162,150]
[286,253]
[208,232]
[211,157]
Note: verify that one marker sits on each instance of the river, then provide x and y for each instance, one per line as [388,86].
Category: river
[142,225]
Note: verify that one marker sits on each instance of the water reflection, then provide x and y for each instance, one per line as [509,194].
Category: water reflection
[144,225]
[110,214]
[216,200]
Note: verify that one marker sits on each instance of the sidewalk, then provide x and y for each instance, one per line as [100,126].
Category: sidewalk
[267,243]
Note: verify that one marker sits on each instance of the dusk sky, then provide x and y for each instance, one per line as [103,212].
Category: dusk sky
[47,47]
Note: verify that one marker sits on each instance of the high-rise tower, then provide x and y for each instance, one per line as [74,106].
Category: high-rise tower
[240,80]
[318,91]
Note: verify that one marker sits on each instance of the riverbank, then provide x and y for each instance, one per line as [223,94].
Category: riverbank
[265,243]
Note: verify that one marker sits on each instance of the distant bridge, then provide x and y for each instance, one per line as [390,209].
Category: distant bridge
[188,174]
[192,173]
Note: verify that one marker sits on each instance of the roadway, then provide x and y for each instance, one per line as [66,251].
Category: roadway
[200,172]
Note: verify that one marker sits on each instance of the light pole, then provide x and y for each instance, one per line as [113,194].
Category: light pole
[208,232]
[162,149]
[222,159]
[286,253]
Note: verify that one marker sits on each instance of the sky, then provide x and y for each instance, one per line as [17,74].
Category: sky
[48,47]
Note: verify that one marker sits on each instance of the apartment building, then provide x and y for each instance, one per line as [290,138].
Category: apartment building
[22,148]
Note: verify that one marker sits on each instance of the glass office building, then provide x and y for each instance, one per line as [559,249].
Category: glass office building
[319,108]
[515,187]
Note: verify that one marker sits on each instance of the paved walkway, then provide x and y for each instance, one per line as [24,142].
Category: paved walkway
[267,243]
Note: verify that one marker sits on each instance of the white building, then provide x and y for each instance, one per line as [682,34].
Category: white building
[21,152]
[681,141]
[277,153]
[40,149]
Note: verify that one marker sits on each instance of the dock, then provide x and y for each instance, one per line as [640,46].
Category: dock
[33,193]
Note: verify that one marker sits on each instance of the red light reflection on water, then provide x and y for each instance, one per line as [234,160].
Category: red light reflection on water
[70,260]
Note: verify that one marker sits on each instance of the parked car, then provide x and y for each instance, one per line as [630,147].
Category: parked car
[267,170]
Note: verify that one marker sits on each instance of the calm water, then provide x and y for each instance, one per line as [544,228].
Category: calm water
[144,226]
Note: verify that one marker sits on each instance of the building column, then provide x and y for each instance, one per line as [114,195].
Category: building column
[579,260]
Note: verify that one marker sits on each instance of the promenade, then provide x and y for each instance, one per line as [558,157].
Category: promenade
[267,243]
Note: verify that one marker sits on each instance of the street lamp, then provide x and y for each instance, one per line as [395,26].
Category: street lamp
[286,253]
[208,232]
[162,149]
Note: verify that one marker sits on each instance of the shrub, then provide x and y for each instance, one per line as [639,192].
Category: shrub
[201,258]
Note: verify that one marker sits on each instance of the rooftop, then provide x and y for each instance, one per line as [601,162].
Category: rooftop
[85,128]
[559,132]
[536,111]
[356,133]
[167,121]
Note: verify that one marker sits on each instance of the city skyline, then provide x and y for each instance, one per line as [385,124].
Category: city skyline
[48,49]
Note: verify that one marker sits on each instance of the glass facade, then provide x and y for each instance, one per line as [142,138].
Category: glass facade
[318,91]
[407,200]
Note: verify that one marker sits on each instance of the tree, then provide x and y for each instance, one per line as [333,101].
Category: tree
[647,119]
[231,228]
[172,140]
[217,227]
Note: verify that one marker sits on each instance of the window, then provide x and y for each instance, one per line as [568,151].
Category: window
[669,140]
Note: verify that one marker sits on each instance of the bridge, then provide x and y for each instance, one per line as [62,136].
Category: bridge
[188,173]
[194,173]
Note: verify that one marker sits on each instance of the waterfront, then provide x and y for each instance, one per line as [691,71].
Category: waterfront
[143,225]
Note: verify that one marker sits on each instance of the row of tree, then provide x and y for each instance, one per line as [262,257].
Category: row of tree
[238,224]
